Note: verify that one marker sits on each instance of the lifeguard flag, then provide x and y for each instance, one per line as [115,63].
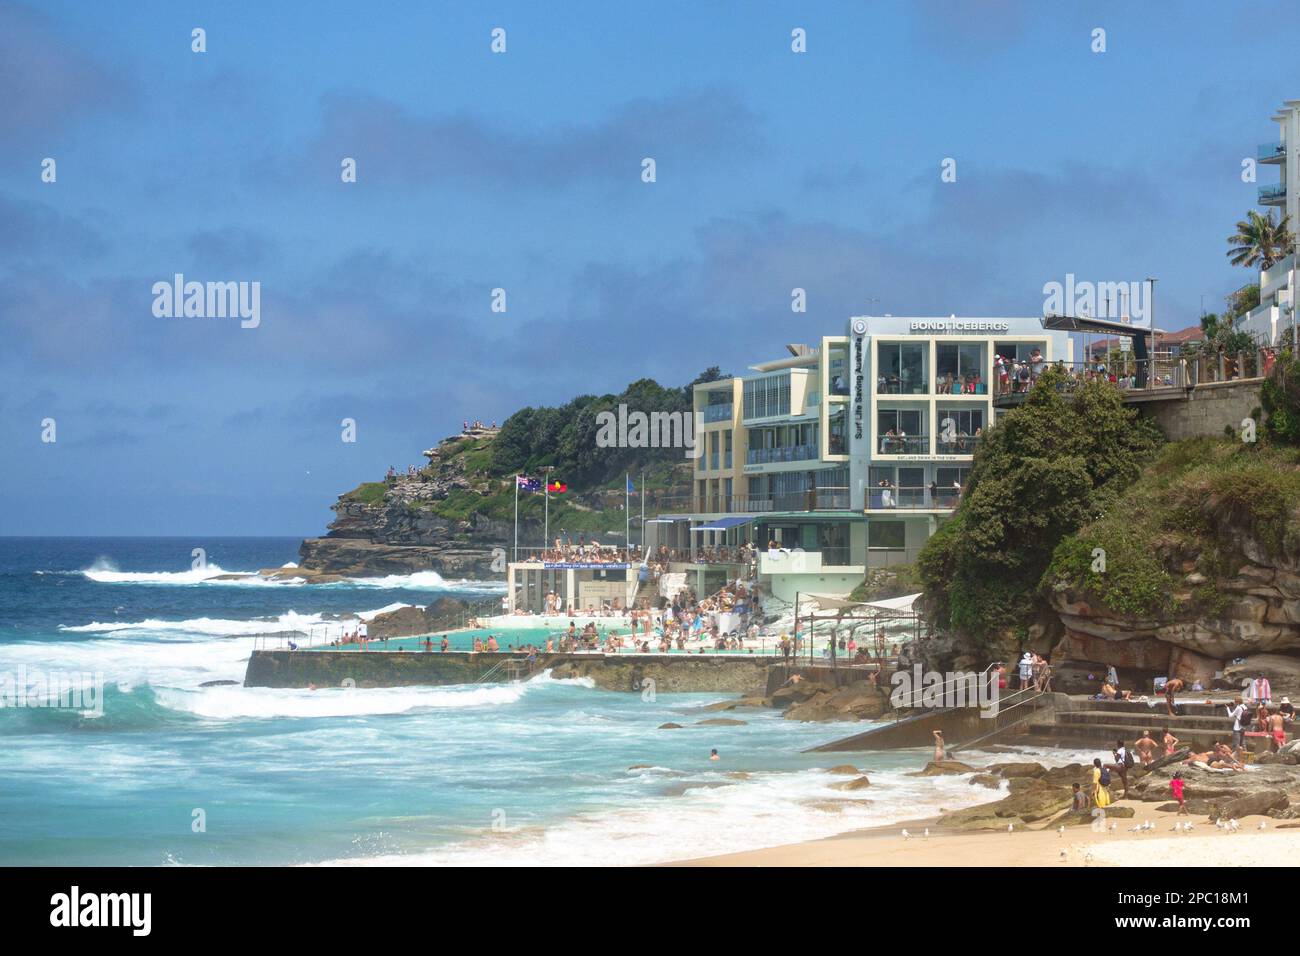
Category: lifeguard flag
[556,487]
[524,483]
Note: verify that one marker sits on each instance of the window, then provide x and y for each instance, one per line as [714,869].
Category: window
[959,368]
[886,535]
[1019,350]
[838,369]
[726,452]
[901,431]
[901,368]
[767,397]
[961,424]
[948,485]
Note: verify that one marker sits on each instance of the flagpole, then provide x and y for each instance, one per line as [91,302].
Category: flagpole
[641,550]
[627,512]
[546,513]
[516,551]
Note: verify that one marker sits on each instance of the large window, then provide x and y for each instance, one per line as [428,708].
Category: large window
[959,368]
[901,431]
[1021,351]
[886,535]
[767,397]
[963,428]
[838,369]
[900,368]
[838,434]
[948,485]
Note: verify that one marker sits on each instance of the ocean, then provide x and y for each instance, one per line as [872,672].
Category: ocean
[167,772]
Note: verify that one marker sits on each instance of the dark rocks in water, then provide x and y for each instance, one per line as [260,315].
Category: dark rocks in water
[810,701]
[670,726]
[720,722]
[944,769]
[1009,770]
[990,780]
[845,769]
[858,783]
[639,766]
[444,614]
[740,702]
[222,683]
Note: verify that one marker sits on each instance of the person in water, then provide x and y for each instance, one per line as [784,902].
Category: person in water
[713,754]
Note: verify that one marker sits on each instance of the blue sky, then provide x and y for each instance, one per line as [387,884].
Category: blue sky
[522,171]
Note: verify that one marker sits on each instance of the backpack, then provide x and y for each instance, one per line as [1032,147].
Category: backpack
[1128,758]
[1105,776]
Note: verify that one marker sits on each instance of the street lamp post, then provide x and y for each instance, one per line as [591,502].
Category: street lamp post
[1151,358]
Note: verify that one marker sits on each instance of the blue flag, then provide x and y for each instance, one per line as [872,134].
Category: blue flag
[630,487]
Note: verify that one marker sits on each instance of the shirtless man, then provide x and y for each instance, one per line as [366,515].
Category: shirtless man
[1225,758]
[1145,747]
[1277,727]
[1172,686]
[938,746]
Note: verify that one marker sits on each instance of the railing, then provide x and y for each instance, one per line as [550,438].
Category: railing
[913,498]
[765,456]
[816,499]
[889,385]
[1009,715]
[904,444]
[1268,152]
[1116,367]
[1272,193]
[960,445]
[973,386]
[719,413]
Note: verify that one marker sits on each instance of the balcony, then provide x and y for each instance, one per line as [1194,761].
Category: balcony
[961,445]
[893,385]
[912,499]
[829,559]
[1274,195]
[1271,153]
[789,453]
[718,413]
[904,444]
[815,499]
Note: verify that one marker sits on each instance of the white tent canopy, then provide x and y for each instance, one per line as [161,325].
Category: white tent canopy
[830,602]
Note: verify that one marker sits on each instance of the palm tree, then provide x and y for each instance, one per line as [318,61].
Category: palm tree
[1259,241]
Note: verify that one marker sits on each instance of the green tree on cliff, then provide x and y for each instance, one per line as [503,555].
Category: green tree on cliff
[1045,469]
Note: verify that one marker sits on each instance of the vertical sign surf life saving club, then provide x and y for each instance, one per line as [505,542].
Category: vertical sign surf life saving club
[859,330]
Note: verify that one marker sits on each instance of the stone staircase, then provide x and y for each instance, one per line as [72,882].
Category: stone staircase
[1097,724]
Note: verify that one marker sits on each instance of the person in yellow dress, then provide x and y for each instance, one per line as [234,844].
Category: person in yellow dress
[1100,795]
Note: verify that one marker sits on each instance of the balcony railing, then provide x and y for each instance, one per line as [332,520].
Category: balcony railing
[1271,152]
[718,413]
[1274,194]
[961,387]
[767,456]
[892,385]
[960,445]
[913,498]
[816,499]
[904,444]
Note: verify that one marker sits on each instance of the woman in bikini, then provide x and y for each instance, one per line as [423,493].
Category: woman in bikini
[1170,742]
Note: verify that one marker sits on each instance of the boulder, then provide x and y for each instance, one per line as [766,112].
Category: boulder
[947,768]
[845,769]
[797,693]
[990,780]
[858,783]
[1250,804]
[1010,770]
[720,722]
[670,726]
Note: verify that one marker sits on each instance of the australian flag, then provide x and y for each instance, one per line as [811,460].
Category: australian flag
[524,483]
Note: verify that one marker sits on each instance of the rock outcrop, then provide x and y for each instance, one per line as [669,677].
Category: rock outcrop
[442,614]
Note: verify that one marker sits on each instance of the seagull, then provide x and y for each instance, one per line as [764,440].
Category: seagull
[1060,831]
[1233,825]
[906,835]
[1262,824]
[1087,857]
[1010,827]
[1113,826]
[927,833]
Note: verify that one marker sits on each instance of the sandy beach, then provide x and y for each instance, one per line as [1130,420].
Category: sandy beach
[1041,846]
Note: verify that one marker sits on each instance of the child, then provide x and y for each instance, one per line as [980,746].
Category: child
[1176,785]
[1079,802]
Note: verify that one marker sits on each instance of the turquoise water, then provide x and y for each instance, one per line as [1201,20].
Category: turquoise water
[531,773]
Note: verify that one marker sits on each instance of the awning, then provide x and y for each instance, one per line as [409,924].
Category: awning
[666,520]
[831,602]
[723,524]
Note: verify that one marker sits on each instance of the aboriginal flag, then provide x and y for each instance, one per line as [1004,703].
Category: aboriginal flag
[556,487]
